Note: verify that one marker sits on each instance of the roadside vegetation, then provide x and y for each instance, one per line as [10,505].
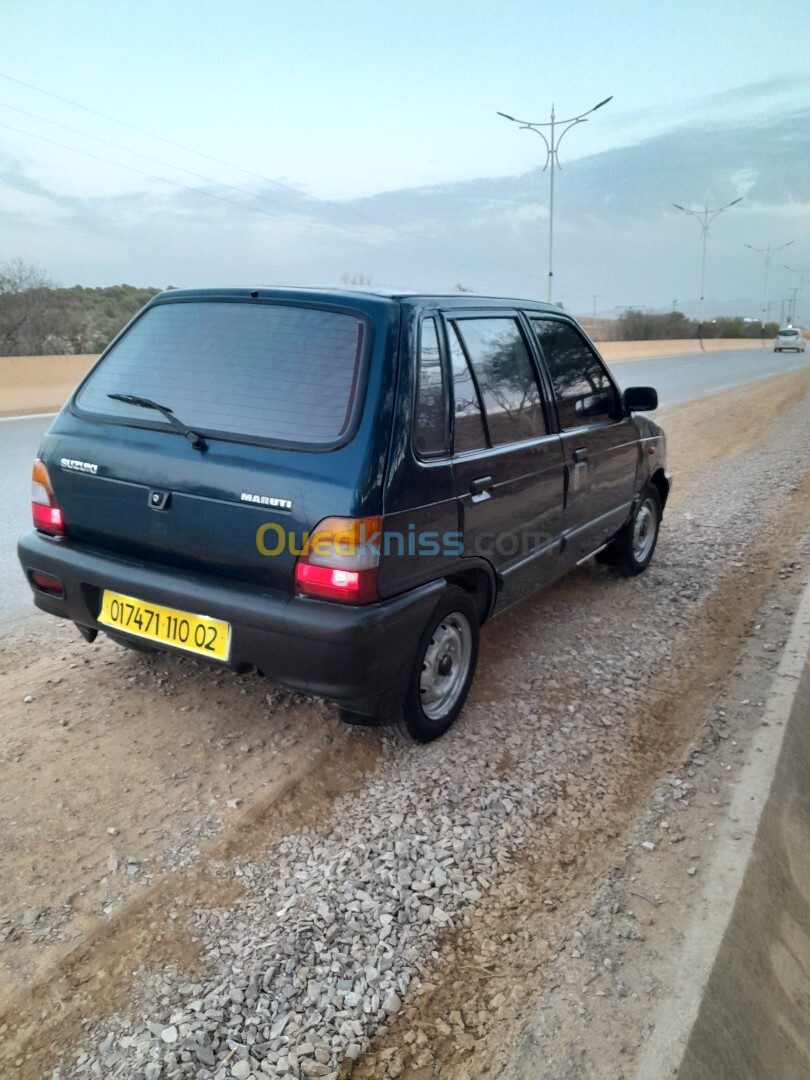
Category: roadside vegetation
[636,325]
[39,318]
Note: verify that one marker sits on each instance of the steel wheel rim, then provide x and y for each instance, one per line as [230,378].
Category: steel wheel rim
[445,666]
[644,530]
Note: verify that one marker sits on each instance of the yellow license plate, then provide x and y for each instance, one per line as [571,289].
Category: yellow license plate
[194,633]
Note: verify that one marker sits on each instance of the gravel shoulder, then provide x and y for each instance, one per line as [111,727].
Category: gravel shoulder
[204,875]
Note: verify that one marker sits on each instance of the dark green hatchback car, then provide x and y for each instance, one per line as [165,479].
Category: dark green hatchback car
[338,488]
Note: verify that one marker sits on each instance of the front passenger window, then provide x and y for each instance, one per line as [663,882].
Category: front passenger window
[583,389]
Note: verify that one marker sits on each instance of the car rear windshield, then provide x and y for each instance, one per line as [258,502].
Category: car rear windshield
[261,371]
[788,333]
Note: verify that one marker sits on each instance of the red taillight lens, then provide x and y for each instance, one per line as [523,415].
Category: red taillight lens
[47,515]
[48,519]
[340,560]
[350,586]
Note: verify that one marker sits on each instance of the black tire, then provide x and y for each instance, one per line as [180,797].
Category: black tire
[633,548]
[443,669]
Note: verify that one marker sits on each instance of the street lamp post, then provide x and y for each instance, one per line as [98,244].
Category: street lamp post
[552,142]
[767,253]
[705,217]
[801,274]
[792,305]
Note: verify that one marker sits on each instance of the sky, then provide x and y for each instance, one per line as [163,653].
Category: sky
[298,143]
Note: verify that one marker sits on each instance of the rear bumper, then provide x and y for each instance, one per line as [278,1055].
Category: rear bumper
[359,656]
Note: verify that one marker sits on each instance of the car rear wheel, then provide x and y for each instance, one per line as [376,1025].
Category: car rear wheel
[633,548]
[443,669]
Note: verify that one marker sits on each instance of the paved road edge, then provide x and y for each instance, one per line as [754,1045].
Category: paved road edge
[677,1014]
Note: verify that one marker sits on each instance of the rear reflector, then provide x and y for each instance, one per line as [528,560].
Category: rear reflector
[46,583]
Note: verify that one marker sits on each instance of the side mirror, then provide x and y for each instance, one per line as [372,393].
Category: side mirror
[640,399]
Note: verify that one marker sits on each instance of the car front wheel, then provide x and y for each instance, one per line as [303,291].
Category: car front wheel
[443,669]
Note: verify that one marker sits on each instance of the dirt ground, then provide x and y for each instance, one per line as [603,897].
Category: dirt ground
[111,779]
[122,776]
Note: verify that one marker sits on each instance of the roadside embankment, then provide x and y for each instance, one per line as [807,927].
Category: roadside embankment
[617,351]
[41,384]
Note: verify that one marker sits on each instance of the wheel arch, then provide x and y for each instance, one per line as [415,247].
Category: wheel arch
[480,584]
[660,482]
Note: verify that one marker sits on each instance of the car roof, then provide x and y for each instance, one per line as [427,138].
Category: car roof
[348,294]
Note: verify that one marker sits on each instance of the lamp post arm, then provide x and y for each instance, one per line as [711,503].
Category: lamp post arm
[722,210]
[691,213]
[530,127]
[571,123]
[581,116]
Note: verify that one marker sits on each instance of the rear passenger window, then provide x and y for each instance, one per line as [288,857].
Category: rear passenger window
[468,427]
[503,369]
[577,374]
[430,418]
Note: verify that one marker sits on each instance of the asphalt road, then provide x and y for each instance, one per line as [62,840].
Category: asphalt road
[19,439]
[682,378]
[677,379]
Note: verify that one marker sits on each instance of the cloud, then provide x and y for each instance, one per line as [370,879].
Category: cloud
[616,231]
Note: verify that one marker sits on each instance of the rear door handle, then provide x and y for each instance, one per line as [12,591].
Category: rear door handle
[580,456]
[480,488]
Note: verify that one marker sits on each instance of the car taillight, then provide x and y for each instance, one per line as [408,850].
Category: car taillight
[340,560]
[47,515]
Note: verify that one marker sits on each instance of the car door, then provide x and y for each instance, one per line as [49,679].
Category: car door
[507,463]
[599,441]
[421,540]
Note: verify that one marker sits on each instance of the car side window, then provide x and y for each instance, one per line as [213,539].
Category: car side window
[583,389]
[468,425]
[503,368]
[430,414]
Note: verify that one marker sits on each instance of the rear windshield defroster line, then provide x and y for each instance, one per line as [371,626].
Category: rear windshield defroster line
[283,374]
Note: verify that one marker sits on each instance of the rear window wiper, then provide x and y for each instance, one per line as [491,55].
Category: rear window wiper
[197,441]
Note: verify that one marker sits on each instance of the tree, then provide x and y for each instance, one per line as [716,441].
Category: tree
[37,318]
[25,308]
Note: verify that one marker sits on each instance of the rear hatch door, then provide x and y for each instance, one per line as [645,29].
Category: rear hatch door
[292,400]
